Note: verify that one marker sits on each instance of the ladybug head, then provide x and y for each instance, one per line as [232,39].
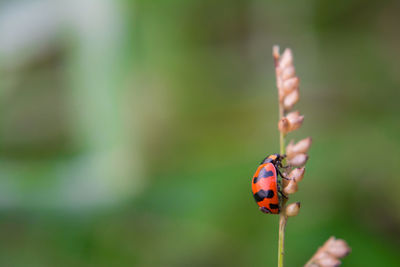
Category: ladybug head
[274,158]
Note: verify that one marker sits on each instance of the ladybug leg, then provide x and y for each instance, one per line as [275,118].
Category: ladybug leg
[280,174]
[265,210]
[280,192]
[283,167]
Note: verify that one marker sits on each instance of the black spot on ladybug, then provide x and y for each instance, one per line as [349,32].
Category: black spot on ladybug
[263,174]
[260,195]
[273,206]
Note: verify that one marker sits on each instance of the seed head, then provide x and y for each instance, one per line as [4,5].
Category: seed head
[290,84]
[293,209]
[297,174]
[295,120]
[284,125]
[286,79]
[286,59]
[275,54]
[288,90]
[300,147]
[329,254]
[290,188]
[337,247]
[291,122]
[291,99]
[298,160]
[288,73]
[326,260]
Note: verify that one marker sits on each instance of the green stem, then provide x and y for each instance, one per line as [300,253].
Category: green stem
[283,217]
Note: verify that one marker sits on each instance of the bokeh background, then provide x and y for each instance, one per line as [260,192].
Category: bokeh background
[130,130]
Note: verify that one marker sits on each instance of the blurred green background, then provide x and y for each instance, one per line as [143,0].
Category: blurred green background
[130,130]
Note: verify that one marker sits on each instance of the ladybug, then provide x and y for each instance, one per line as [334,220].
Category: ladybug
[265,186]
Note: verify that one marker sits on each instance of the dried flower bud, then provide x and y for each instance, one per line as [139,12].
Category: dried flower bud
[288,72]
[291,188]
[291,122]
[298,160]
[291,99]
[294,114]
[295,120]
[283,125]
[329,254]
[297,174]
[286,79]
[328,261]
[293,209]
[337,247]
[286,58]
[300,147]
[290,85]
[275,51]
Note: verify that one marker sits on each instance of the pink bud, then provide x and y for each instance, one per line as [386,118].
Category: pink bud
[283,125]
[337,247]
[291,188]
[298,160]
[291,122]
[286,58]
[295,120]
[300,147]
[288,72]
[297,174]
[328,261]
[291,99]
[293,209]
[290,84]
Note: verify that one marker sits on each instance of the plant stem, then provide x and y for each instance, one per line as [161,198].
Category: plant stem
[283,217]
[282,226]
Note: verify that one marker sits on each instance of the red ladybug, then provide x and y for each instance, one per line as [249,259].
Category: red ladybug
[265,185]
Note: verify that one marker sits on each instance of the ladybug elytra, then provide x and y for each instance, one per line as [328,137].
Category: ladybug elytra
[265,185]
